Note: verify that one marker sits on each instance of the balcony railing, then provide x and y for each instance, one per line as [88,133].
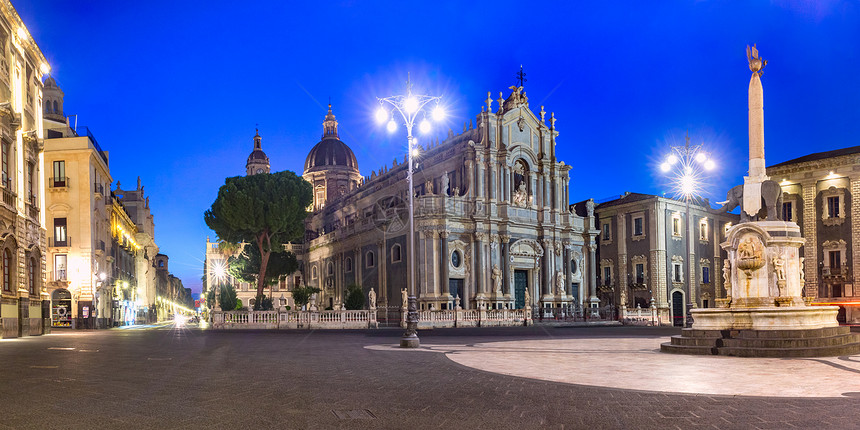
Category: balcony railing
[99,188]
[841,271]
[58,182]
[60,243]
[33,211]
[9,197]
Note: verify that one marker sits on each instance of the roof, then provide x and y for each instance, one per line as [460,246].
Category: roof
[330,152]
[629,197]
[821,156]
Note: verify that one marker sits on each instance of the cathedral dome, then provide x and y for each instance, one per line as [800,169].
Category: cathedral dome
[330,151]
[258,161]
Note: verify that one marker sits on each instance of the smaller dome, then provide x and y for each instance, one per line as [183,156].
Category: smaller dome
[50,82]
[258,154]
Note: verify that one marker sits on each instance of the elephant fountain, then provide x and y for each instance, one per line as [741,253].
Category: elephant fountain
[771,196]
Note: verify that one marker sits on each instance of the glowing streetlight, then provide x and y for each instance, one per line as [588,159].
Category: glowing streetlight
[686,165]
[409,106]
[381,115]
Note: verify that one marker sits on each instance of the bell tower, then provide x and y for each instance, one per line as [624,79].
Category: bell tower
[258,161]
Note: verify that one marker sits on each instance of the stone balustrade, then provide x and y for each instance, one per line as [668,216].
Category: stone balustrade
[364,319]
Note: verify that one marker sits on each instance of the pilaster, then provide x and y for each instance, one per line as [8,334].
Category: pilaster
[810,248]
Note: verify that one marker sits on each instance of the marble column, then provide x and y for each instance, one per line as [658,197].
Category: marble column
[380,265]
[565,261]
[443,261]
[505,263]
[479,264]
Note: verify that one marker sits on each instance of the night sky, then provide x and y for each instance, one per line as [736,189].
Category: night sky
[174,89]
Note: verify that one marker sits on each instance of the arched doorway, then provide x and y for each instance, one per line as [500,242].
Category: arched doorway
[677,309]
[61,308]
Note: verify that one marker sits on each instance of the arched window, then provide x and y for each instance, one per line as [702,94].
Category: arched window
[31,275]
[48,106]
[348,264]
[369,260]
[314,272]
[395,253]
[56,108]
[7,262]
[330,269]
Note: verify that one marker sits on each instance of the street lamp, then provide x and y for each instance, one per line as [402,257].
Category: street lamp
[409,107]
[686,165]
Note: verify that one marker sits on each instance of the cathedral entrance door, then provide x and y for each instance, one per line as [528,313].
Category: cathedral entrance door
[455,288]
[521,282]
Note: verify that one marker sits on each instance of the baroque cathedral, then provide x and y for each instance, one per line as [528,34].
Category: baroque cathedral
[494,228]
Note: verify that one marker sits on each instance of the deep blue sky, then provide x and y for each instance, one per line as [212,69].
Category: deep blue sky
[173,89]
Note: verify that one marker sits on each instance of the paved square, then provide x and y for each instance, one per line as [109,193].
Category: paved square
[171,377]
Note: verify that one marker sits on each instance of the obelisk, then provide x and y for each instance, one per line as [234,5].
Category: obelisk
[752,183]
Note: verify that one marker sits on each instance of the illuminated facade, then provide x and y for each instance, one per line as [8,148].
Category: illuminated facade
[145,295]
[122,278]
[821,193]
[641,261]
[24,302]
[78,211]
[492,219]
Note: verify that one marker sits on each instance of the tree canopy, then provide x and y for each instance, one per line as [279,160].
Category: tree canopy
[266,210]
[246,265]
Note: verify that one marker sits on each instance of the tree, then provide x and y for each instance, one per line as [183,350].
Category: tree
[265,209]
[246,265]
[227,298]
[353,298]
[302,294]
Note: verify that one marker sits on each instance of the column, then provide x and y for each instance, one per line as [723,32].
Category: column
[469,183]
[533,188]
[380,265]
[443,261]
[494,178]
[480,169]
[357,266]
[592,276]
[479,264]
[567,255]
[506,264]
[546,288]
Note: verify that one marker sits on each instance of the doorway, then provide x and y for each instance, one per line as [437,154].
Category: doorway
[521,282]
[677,309]
[455,288]
[61,308]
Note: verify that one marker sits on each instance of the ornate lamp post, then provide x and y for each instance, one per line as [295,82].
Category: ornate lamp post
[409,107]
[686,165]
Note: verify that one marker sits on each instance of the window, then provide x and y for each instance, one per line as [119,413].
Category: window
[638,226]
[787,211]
[314,274]
[706,275]
[369,260]
[60,267]
[56,109]
[455,258]
[60,238]
[348,264]
[395,253]
[7,262]
[676,273]
[31,196]
[572,266]
[607,276]
[833,207]
[835,259]
[703,230]
[161,263]
[31,275]
[676,225]
[640,273]
[4,164]
[59,178]
[606,235]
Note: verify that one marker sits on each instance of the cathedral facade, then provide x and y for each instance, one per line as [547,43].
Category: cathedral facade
[493,224]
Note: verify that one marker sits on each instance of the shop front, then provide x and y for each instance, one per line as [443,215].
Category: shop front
[61,308]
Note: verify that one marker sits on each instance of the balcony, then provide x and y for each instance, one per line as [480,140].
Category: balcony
[9,197]
[33,210]
[67,242]
[637,282]
[59,183]
[99,189]
[840,272]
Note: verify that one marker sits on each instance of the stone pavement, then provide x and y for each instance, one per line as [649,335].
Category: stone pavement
[524,377]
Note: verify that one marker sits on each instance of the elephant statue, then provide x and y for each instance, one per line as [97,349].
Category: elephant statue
[771,196]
